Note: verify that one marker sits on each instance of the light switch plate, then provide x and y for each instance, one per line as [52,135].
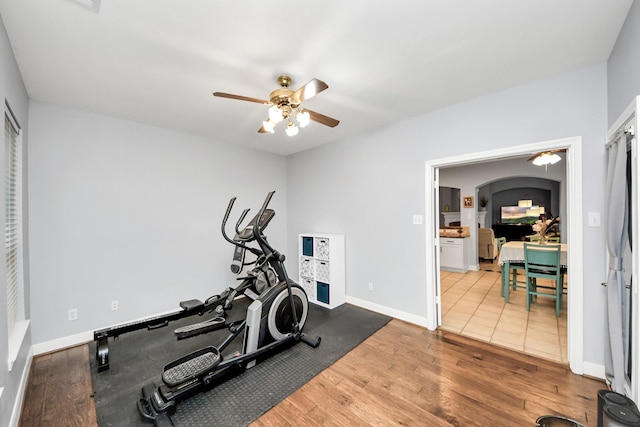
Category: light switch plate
[593,219]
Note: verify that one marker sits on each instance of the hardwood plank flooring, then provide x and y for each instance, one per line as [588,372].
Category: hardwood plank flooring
[403,375]
[406,375]
[59,390]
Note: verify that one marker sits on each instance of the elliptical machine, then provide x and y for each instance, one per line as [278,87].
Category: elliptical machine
[253,283]
[273,322]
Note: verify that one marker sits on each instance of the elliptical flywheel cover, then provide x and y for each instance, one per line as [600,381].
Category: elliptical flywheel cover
[280,319]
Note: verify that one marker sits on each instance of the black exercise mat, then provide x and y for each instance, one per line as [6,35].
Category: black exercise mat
[137,358]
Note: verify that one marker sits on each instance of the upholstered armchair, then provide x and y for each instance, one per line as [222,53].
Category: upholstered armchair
[487,244]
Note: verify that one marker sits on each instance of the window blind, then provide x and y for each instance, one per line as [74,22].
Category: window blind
[11,220]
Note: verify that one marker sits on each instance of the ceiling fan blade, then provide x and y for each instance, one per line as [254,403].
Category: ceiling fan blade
[309,90]
[321,118]
[240,97]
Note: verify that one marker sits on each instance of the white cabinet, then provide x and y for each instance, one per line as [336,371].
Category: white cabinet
[322,268]
[454,254]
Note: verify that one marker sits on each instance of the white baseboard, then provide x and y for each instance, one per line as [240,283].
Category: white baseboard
[593,370]
[22,389]
[60,343]
[407,317]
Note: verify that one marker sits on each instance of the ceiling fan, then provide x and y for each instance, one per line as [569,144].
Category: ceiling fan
[548,157]
[285,105]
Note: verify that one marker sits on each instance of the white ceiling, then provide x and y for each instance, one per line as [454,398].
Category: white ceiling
[158,61]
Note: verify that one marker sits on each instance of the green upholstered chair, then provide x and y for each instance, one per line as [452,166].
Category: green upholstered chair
[543,262]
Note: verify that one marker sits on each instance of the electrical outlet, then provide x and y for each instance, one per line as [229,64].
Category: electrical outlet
[73,314]
[114,304]
[371,286]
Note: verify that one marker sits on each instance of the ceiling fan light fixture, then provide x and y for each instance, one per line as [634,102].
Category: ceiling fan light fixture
[292,130]
[268,125]
[539,161]
[275,114]
[546,158]
[284,104]
[554,158]
[303,118]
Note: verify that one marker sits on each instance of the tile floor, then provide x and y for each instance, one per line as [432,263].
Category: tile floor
[472,306]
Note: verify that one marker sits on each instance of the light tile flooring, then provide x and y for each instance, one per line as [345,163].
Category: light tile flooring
[472,306]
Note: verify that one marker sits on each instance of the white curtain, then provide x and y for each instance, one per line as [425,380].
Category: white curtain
[617,222]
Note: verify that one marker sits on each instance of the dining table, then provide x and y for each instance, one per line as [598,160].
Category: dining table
[512,254]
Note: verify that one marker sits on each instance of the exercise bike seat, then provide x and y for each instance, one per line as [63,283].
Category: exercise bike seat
[191,305]
[191,366]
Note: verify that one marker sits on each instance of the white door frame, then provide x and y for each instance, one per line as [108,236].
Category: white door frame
[575,298]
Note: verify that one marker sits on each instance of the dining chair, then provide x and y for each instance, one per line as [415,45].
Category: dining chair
[563,271]
[512,279]
[501,241]
[543,262]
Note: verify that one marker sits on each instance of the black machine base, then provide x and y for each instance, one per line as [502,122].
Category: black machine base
[101,337]
[148,411]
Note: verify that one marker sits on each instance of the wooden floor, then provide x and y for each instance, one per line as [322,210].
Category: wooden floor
[59,391]
[403,375]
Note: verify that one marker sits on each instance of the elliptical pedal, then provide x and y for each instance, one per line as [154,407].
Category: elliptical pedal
[200,328]
[191,366]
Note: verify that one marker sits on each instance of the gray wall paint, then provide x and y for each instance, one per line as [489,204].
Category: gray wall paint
[623,67]
[129,212]
[13,91]
[369,187]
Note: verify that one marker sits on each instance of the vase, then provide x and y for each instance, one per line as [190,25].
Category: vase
[542,239]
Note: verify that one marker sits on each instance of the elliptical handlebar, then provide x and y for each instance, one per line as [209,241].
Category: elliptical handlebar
[256,229]
[225,219]
[224,226]
[244,214]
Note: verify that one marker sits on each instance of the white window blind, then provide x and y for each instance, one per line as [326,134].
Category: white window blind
[11,220]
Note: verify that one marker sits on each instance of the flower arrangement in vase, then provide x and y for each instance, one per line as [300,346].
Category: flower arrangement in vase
[542,227]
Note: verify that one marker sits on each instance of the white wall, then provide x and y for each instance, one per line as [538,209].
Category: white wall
[370,186]
[129,212]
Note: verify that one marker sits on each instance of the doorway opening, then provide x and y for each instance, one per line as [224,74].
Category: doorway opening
[574,232]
